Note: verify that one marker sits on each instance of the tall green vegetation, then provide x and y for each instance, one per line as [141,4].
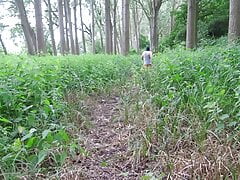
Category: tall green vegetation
[212,22]
[33,101]
[194,94]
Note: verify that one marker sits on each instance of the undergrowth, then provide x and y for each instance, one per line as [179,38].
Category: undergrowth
[185,110]
[33,92]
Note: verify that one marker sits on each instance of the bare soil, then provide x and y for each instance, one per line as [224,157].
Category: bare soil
[107,145]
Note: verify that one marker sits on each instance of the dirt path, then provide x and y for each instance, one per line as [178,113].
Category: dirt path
[106,143]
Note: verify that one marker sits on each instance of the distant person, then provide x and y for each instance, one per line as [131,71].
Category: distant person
[147,57]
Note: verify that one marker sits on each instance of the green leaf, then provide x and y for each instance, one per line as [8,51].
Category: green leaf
[41,156]
[224,116]
[45,133]
[17,145]
[21,129]
[4,120]
[31,142]
[61,157]
[104,164]
[29,135]
[61,136]
[33,159]
[220,127]
[234,123]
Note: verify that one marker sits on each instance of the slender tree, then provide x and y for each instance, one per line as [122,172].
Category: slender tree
[172,15]
[51,28]
[234,21]
[61,27]
[39,26]
[99,21]
[93,26]
[136,23]
[69,16]
[151,9]
[75,27]
[125,27]
[82,29]
[3,46]
[115,26]
[108,28]
[66,26]
[27,30]
[191,39]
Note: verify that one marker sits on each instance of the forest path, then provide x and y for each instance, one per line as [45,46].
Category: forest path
[106,143]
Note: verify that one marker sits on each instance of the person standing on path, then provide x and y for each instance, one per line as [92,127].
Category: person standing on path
[147,57]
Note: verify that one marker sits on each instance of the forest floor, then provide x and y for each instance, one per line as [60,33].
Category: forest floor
[118,142]
[106,142]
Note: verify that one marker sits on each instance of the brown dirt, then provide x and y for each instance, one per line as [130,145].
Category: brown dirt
[107,145]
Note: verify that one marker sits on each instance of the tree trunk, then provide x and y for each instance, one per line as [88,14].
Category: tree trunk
[125,26]
[27,30]
[172,20]
[39,27]
[108,28]
[3,46]
[120,38]
[101,39]
[152,15]
[82,29]
[66,26]
[136,27]
[75,27]
[101,35]
[51,28]
[61,26]
[93,27]
[234,21]
[115,27]
[70,27]
[154,33]
[191,41]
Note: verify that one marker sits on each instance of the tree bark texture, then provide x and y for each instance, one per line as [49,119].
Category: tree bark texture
[82,29]
[154,32]
[152,14]
[3,46]
[172,19]
[54,49]
[108,28]
[39,27]
[66,26]
[61,27]
[93,27]
[136,23]
[125,26]
[234,21]
[70,27]
[115,27]
[191,40]
[75,27]
[27,30]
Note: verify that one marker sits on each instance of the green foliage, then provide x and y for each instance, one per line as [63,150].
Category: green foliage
[218,27]
[144,42]
[212,22]
[32,91]
[202,84]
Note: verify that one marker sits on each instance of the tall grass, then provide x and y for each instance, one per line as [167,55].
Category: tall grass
[188,108]
[183,100]
[32,91]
